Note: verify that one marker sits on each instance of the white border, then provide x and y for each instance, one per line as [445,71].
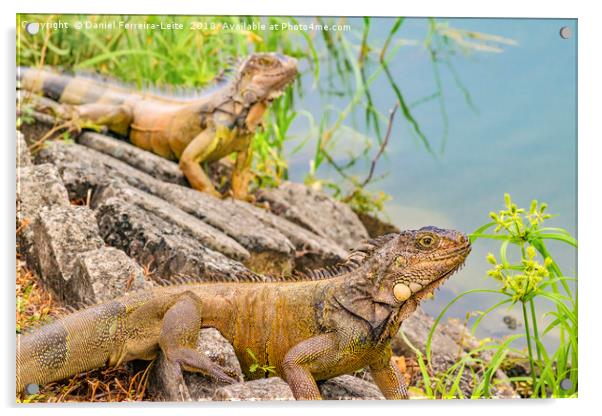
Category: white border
[589,188]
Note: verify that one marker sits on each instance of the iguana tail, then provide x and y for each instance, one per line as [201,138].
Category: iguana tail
[71,89]
[73,344]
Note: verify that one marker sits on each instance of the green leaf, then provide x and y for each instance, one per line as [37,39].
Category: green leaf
[487,311]
[560,300]
[251,354]
[477,233]
[494,236]
[561,237]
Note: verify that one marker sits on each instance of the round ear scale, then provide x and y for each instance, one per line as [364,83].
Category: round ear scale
[249,97]
[401,292]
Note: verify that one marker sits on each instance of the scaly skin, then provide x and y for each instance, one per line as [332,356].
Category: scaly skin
[315,328]
[191,131]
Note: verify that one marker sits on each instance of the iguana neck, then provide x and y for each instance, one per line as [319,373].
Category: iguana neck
[227,107]
[364,293]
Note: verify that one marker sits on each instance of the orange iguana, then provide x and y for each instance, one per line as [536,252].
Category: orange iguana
[192,131]
[319,326]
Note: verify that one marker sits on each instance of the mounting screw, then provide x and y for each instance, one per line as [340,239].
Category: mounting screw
[566,384]
[32,388]
[565,32]
[32,28]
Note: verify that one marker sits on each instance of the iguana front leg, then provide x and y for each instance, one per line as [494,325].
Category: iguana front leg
[196,152]
[306,358]
[388,378]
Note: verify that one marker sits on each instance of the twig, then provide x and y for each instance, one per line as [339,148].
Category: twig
[44,47]
[378,155]
[49,133]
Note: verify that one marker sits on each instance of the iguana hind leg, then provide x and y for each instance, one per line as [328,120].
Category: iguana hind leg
[179,333]
[116,118]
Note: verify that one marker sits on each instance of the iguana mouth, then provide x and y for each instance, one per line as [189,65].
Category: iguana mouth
[435,284]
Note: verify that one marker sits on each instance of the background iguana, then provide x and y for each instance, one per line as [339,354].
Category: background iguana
[192,131]
[319,326]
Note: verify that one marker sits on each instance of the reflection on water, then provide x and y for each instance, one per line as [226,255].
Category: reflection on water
[522,140]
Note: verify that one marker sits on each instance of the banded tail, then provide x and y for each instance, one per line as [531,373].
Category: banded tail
[71,89]
[88,88]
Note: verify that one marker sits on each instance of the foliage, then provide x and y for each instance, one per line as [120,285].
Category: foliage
[266,369]
[534,276]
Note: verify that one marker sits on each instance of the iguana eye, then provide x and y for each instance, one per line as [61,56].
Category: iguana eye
[265,61]
[426,241]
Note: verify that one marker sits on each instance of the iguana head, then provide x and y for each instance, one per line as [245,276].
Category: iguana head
[419,261]
[262,77]
[393,273]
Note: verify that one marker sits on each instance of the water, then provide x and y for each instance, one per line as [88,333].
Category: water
[522,140]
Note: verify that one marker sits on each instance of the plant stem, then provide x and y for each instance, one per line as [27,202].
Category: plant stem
[528,334]
[536,334]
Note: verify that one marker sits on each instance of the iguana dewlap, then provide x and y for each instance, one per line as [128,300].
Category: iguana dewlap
[319,326]
[192,131]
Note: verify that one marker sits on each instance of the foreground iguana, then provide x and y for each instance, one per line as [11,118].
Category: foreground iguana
[192,131]
[320,326]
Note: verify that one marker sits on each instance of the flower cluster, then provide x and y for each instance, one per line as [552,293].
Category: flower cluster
[512,219]
[520,280]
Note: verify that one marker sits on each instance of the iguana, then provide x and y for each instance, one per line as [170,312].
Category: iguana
[192,131]
[324,324]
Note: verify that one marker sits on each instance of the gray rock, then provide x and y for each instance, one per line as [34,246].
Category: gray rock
[104,274]
[163,247]
[205,234]
[23,157]
[416,328]
[312,251]
[39,187]
[273,388]
[347,387]
[60,235]
[315,211]
[82,169]
[220,351]
[156,166]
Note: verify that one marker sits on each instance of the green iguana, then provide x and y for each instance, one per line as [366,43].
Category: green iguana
[206,128]
[322,325]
